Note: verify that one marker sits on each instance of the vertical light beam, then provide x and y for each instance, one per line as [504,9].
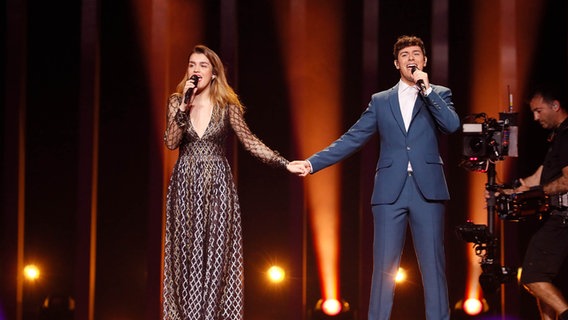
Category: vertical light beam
[503,46]
[311,42]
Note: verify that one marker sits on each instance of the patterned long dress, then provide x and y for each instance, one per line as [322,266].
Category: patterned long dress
[203,258]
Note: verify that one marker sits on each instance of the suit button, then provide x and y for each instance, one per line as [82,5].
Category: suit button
[408,148]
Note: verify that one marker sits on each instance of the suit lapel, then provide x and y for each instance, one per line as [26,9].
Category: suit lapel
[417,107]
[395,108]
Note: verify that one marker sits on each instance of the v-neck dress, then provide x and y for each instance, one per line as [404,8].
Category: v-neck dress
[203,258]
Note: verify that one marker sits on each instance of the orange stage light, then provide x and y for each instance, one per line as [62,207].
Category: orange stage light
[331,307]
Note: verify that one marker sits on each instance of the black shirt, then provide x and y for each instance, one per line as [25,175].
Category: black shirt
[557,155]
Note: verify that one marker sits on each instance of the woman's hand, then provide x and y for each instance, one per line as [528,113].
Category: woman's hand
[299,167]
[190,85]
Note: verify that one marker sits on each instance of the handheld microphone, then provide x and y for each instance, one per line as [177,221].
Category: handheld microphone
[419,82]
[194,78]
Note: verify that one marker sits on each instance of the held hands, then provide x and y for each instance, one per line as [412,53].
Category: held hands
[299,167]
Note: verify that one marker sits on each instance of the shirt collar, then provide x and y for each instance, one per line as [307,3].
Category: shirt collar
[402,86]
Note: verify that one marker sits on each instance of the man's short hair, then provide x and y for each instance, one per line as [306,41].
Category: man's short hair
[407,41]
[549,92]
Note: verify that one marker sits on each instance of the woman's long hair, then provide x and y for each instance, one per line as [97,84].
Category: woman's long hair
[221,92]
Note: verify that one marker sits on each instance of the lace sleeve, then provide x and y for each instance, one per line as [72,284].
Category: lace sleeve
[251,143]
[176,122]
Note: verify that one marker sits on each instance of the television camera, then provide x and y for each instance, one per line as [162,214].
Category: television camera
[487,140]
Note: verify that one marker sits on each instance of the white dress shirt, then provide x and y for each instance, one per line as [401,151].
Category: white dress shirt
[406,98]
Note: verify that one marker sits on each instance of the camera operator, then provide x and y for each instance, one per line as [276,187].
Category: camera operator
[548,248]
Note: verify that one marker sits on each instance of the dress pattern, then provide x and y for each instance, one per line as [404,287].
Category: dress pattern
[203,255]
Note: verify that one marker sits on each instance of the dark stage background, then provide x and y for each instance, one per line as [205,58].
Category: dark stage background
[84,169]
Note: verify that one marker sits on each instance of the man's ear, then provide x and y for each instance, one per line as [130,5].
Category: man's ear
[396,64]
[425,61]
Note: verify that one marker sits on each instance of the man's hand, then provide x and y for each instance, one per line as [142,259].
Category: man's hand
[299,167]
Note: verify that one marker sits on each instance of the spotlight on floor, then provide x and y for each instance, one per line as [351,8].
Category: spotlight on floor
[276,274]
[332,309]
[471,307]
[31,272]
[400,276]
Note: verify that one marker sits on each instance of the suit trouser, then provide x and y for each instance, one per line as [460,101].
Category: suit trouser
[426,219]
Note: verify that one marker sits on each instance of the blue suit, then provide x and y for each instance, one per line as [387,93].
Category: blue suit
[399,197]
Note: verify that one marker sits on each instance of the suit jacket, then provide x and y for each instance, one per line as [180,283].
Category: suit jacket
[431,115]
